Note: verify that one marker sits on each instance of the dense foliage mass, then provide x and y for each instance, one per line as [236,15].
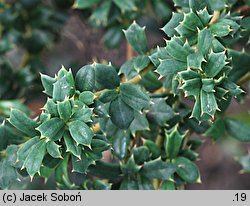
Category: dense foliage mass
[139,114]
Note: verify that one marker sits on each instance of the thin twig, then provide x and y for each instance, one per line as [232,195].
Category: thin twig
[215,18]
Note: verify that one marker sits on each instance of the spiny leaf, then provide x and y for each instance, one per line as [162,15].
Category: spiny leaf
[192,87]
[61,89]
[177,50]
[136,37]
[208,103]
[83,115]
[51,108]
[71,145]
[139,123]
[141,154]
[170,67]
[81,165]
[47,83]
[194,60]
[52,129]
[22,122]
[134,96]
[133,66]
[64,110]
[173,143]
[169,28]
[81,132]
[53,149]
[160,112]
[35,157]
[215,63]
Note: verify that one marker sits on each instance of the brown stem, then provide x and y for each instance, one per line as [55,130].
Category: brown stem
[215,18]
[130,51]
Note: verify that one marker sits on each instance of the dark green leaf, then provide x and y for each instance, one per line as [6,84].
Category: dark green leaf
[139,123]
[85,78]
[173,143]
[194,60]
[130,168]
[120,143]
[216,130]
[153,148]
[160,112]
[181,3]
[133,66]
[105,170]
[108,81]
[187,170]
[87,97]
[170,67]
[8,175]
[83,115]
[121,114]
[141,154]
[51,108]
[158,169]
[108,96]
[81,165]
[134,96]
